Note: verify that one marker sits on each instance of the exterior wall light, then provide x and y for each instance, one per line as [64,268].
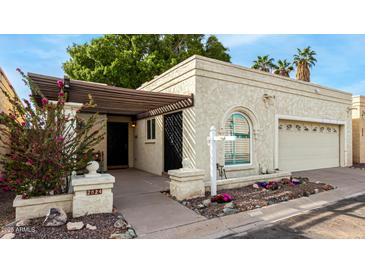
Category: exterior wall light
[66,82]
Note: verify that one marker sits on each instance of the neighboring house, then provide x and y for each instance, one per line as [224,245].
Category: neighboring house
[5,105]
[280,123]
[358,125]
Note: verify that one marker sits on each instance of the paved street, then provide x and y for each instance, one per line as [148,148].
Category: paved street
[342,220]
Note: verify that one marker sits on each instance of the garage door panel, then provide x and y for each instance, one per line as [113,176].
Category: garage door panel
[304,146]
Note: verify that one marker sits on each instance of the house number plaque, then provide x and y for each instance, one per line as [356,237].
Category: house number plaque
[94,191]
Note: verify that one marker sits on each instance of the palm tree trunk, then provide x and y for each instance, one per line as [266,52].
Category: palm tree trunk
[303,72]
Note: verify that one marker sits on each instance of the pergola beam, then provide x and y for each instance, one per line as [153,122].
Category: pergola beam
[114,100]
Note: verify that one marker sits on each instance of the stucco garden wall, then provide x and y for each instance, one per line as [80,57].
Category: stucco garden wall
[220,88]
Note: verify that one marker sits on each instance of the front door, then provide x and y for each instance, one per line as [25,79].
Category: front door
[173,130]
[117,143]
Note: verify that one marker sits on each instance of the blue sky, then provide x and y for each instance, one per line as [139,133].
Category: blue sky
[341,58]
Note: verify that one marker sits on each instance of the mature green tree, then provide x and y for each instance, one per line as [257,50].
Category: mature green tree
[264,63]
[128,60]
[215,49]
[283,68]
[304,60]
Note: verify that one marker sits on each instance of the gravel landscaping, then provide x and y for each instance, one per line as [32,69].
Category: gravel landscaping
[104,228]
[94,226]
[251,197]
[7,213]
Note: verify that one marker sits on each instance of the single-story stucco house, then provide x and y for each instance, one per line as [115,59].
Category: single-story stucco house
[279,123]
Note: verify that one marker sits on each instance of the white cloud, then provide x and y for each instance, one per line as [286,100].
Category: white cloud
[236,40]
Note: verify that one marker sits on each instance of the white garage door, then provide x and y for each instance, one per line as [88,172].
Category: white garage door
[304,146]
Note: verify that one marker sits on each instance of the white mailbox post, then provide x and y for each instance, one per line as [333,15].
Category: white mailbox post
[213,157]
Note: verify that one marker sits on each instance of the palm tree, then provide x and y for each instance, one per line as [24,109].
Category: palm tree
[263,63]
[304,60]
[283,68]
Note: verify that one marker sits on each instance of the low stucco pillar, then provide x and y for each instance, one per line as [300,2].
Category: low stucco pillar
[187,183]
[92,192]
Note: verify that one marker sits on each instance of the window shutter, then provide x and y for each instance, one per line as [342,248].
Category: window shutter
[238,151]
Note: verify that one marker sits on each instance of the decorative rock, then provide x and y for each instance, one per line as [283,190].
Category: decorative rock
[306,194]
[121,236]
[120,223]
[55,217]
[91,227]
[12,224]
[118,236]
[120,216]
[230,205]
[228,210]
[8,236]
[75,226]
[200,206]
[132,232]
[317,182]
[316,190]
[24,222]
[207,202]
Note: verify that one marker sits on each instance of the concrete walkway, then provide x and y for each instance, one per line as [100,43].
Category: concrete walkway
[138,196]
[349,182]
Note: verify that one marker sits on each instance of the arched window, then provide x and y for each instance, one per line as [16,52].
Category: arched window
[239,151]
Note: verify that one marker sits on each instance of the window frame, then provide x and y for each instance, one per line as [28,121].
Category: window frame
[240,165]
[151,129]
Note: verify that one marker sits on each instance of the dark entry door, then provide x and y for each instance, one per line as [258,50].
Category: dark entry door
[173,141]
[117,142]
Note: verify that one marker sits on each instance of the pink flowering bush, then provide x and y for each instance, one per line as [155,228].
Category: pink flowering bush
[43,151]
[222,198]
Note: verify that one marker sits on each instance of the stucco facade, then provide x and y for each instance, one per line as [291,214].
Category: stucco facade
[358,128]
[222,88]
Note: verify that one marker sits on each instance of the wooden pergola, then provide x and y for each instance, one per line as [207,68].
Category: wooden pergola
[113,100]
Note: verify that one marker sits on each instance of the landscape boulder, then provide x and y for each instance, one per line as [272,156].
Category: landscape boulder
[75,226]
[120,223]
[55,217]
[90,227]
[24,222]
[8,236]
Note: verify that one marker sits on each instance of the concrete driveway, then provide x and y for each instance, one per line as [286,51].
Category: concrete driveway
[342,177]
[137,195]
